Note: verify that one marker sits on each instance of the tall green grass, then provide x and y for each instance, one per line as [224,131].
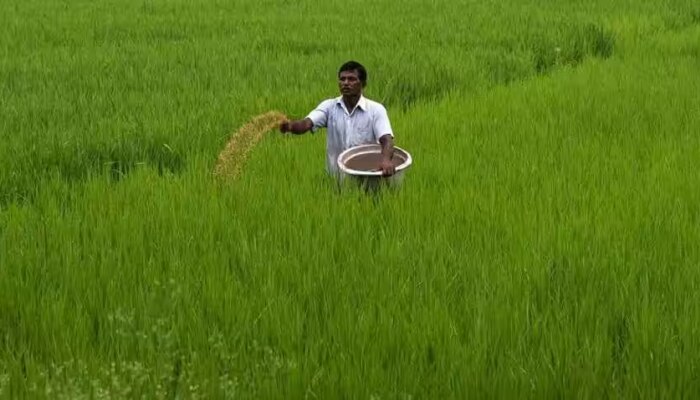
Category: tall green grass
[544,243]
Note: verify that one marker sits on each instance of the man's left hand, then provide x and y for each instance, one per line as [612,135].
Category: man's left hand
[387,167]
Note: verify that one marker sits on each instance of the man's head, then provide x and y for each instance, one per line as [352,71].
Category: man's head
[352,78]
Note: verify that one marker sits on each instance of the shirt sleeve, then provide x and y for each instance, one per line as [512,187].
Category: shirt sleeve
[382,125]
[319,116]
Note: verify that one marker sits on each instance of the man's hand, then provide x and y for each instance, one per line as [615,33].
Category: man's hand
[285,126]
[296,127]
[387,167]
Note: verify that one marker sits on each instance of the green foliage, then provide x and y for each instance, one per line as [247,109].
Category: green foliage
[543,245]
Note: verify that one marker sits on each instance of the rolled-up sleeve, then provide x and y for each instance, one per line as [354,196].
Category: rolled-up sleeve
[382,125]
[319,116]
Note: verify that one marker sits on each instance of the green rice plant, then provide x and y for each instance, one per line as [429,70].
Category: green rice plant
[543,245]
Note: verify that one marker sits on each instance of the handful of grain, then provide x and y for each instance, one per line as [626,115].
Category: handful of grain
[233,156]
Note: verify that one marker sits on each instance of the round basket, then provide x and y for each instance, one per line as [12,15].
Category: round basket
[362,164]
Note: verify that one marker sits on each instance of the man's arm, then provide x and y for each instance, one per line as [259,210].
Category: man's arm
[387,165]
[316,119]
[297,127]
[385,137]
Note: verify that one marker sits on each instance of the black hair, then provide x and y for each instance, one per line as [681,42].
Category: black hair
[355,66]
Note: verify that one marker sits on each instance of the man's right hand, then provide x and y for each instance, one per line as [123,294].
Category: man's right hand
[296,127]
[285,126]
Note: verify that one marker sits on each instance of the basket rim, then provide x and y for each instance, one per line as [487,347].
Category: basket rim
[370,147]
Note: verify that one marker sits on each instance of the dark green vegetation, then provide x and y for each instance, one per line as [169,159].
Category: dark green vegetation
[544,243]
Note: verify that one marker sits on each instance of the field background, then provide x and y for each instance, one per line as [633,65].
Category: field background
[545,243]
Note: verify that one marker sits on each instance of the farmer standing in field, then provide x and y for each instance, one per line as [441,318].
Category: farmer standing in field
[351,120]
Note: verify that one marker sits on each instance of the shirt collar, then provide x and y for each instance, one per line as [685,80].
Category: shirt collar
[362,103]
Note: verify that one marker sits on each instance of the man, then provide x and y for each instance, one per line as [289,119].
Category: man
[350,119]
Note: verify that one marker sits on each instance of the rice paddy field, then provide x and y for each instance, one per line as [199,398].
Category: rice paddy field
[545,242]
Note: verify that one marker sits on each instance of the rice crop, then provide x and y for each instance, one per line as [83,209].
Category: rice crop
[233,156]
[543,245]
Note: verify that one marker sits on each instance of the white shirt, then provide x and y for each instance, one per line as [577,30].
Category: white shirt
[364,124]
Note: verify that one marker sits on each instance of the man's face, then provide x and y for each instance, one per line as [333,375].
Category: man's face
[349,83]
